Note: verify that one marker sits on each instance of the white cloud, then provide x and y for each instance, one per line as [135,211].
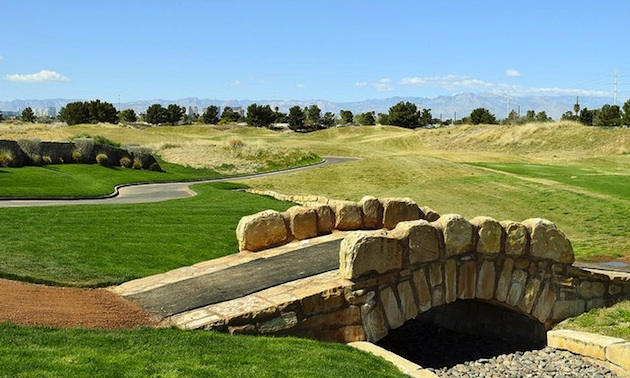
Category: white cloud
[381,85]
[459,82]
[511,72]
[41,76]
[451,82]
[1,58]
[236,83]
[300,85]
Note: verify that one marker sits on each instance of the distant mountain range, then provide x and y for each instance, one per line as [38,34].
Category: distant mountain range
[445,107]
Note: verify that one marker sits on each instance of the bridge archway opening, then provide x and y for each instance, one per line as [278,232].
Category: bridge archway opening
[465,330]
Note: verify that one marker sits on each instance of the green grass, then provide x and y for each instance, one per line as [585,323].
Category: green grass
[45,352]
[597,227]
[612,321]
[92,246]
[589,177]
[83,180]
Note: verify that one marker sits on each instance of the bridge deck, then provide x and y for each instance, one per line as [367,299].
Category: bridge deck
[232,277]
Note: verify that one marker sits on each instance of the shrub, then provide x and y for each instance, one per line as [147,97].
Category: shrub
[32,148]
[6,158]
[84,146]
[76,155]
[137,164]
[235,143]
[102,159]
[126,162]
[46,159]
[140,155]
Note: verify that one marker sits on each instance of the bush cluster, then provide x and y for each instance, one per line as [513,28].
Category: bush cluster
[6,158]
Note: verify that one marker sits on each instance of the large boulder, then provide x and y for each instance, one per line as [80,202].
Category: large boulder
[302,222]
[548,242]
[422,238]
[262,230]
[348,215]
[458,234]
[372,212]
[489,234]
[516,238]
[365,252]
[396,210]
[325,217]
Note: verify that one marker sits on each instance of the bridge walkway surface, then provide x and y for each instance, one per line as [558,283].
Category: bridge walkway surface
[183,295]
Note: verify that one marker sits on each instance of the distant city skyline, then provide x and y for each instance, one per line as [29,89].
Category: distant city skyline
[336,51]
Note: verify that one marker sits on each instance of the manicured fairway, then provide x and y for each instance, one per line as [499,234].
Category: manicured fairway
[105,245]
[85,180]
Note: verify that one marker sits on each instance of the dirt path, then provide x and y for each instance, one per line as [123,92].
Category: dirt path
[30,304]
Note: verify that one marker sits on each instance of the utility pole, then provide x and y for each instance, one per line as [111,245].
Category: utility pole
[615,89]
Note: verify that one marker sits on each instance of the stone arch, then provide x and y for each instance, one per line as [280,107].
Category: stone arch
[526,267]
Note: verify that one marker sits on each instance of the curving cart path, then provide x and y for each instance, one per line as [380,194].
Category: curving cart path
[156,192]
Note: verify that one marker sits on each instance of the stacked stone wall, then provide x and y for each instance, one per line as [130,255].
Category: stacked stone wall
[389,276]
[320,216]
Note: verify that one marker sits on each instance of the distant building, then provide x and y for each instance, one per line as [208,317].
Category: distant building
[50,111]
[192,111]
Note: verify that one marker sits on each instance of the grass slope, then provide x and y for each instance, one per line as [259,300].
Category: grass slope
[83,180]
[612,321]
[105,245]
[44,352]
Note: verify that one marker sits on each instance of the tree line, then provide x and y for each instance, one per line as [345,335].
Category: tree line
[311,118]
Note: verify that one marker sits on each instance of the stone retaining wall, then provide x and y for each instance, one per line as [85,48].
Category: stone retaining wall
[66,152]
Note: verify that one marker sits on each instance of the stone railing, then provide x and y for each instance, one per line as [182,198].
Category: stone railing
[319,216]
[526,267]
[413,260]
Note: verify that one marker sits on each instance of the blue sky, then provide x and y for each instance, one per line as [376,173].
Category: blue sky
[303,50]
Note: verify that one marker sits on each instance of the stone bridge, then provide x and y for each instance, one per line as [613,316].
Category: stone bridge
[397,261]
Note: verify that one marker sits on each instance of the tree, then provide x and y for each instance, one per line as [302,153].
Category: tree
[403,114]
[587,116]
[28,115]
[102,111]
[296,118]
[530,116]
[174,114]
[365,119]
[382,119]
[328,119]
[482,116]
[230,115]
[211,115]
[576,108]
[128,115]
[75,113]
[156,114]
[568,116]
[313,117]
[260,115]
[346,117]
[513,118]
[425,118]
[608,115]
[626,113]
[543,117]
